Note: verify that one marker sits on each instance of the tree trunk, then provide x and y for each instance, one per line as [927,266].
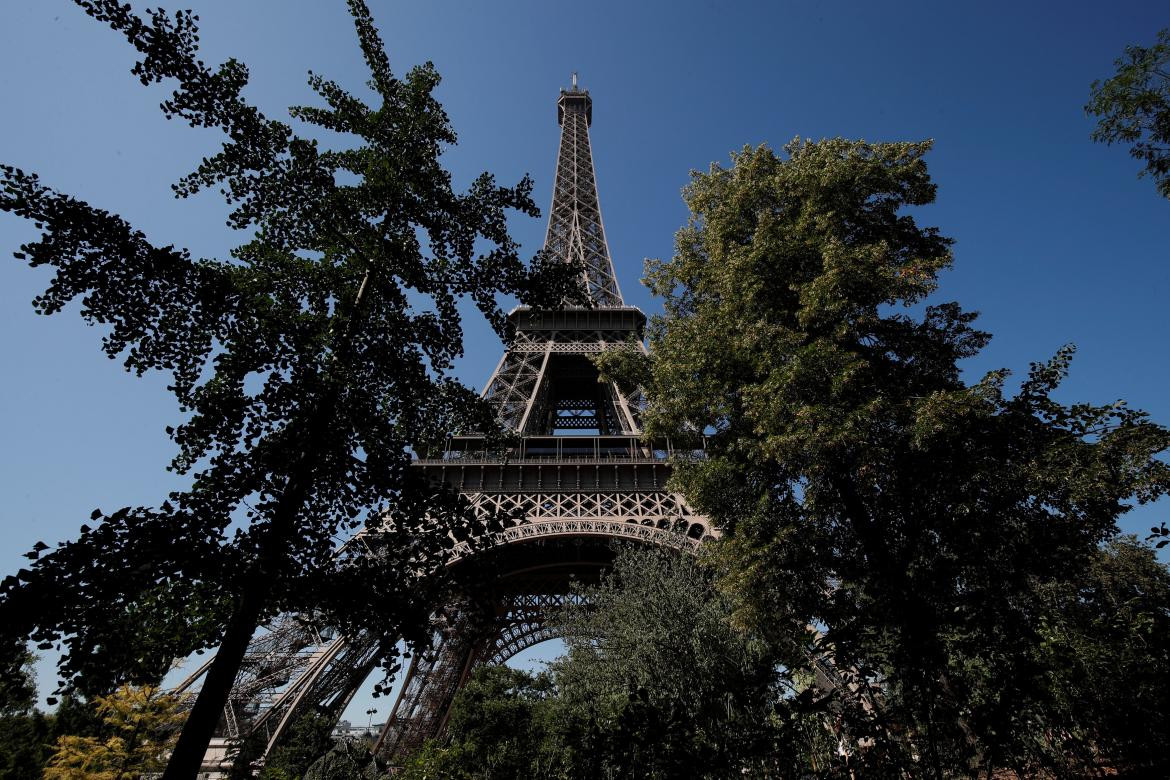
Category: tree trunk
[197,731]
[187,757]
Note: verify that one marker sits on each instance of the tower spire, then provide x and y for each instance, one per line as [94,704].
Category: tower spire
[575,232]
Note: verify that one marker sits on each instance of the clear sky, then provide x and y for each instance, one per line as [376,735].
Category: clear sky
[1057,240]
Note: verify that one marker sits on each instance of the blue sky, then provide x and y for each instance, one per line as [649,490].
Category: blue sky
[1057,240]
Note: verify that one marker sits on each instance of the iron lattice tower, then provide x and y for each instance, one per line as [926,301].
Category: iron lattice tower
[580,477]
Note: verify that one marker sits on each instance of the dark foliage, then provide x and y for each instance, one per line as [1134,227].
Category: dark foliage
[1133,106]
[28,737]
[865,487]
[309,739]
[308,365]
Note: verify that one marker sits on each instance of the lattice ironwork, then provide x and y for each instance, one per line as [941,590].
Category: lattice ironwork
[575,232]
[552,386]
[569,492]
[513,387]
[326,686]
[524,622]
[277,657]
[654,508]
[431,682]
[569,340]
[522,619]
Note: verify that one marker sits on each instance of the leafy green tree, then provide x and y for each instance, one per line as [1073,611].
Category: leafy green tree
[309,739]
[142,724]
[25,733]
[657,683]
[1134,107]
[308,363]
[348,759]
[440,758]
[18,685]
[501,726]
[74,716]
[26,741]
[864,487]
[28,737]
[504,725]
[1105,642]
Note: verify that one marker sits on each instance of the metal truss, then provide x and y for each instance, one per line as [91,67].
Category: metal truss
[523,619]
[324,687]
[279,653]
[575,232]
[524,622]
[431,682]
[585,341]
[528,398]
[290,668]
[623,514]
[513,387]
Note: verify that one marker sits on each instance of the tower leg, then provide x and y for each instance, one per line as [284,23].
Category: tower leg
[425,699]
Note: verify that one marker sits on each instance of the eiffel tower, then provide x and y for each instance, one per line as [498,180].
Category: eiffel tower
[579,475]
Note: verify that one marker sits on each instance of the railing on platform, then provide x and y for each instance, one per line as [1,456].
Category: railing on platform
[563,449]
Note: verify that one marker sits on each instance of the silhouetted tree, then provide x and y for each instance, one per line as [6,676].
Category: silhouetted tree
[308,363]
[656,683]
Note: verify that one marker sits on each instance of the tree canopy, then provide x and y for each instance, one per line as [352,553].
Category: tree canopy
[141,724]
[864,487]
[1133,106]
[657,685]
[25,733]
[657,681]
[307,365]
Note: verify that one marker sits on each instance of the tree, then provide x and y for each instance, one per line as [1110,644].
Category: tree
[1105,640]
[24,731]
[308,364]
[26,741]
[657,683]
[28,737]
[348,759]
[309,739]
[142,723]
[863,486]
[1134,107]
[18,685]
[501,726]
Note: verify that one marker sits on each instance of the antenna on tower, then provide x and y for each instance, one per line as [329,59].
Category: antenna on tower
[574,81]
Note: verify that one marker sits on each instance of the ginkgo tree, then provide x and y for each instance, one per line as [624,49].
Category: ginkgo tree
[308,364]
[141,724]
